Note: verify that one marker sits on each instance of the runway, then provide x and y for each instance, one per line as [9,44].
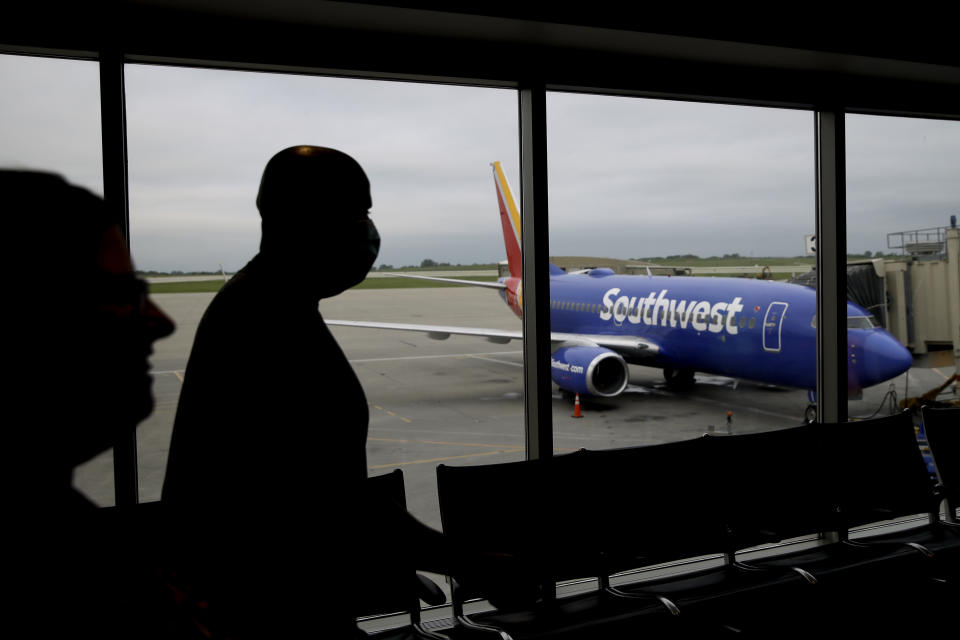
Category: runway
[460,401]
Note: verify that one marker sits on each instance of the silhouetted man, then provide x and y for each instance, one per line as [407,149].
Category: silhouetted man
[268,449]
[81,329]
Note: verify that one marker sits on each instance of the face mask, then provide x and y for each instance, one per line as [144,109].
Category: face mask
[367,256]
[373,243]
[352,263]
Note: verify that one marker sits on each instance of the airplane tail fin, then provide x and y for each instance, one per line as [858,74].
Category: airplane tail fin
[510,219]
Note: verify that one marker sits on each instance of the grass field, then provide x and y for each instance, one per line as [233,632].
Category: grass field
[207,286]
[200,286]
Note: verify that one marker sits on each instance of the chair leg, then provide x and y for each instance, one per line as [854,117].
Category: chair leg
[803,573]
[460,617]
[420,632]
[913,545]
[666,602]
[467,623]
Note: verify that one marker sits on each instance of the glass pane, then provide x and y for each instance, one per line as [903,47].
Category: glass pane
[51,122]
[199,140]
[902,255]
[51,118]
[680,226]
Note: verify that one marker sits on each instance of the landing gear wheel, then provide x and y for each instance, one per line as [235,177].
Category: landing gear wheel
[810,413]
[679,379]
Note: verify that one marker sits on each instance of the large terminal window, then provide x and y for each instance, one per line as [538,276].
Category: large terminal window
[681,227]
[902,204]
[718,198]
[198,142]
[51,122]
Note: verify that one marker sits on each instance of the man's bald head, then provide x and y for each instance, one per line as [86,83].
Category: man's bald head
[314,204]
[307,183]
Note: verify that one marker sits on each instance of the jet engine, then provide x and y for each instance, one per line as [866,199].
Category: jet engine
[589,370]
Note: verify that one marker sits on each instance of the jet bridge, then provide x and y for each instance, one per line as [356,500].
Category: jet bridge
[914,296]
[922,293]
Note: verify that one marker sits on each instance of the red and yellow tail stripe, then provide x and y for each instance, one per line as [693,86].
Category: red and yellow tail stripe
[510,219]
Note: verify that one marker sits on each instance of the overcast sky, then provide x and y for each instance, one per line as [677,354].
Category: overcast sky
[628,178]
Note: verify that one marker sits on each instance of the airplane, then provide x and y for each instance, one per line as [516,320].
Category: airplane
[758,330]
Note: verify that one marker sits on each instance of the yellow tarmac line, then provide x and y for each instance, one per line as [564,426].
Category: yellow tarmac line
[179,374]
[439,442]
[391,413]
[433,460]
[501,448]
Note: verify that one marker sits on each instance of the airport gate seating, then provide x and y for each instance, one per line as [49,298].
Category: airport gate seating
[391,582]
[944,424]
[600,513]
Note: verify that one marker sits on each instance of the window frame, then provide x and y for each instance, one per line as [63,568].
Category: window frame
[829,190]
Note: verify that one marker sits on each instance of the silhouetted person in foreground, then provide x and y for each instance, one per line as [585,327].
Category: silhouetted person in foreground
[80,330]
[268,447]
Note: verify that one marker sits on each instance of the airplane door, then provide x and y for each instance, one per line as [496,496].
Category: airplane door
[772,322]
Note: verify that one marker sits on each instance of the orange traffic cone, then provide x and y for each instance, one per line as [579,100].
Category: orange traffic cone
[576,407]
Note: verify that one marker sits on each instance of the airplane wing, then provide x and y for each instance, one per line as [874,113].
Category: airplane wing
[471,283]
[437,332]
[630,346]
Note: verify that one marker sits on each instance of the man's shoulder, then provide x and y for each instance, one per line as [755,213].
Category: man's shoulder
[244,288]
[254,307]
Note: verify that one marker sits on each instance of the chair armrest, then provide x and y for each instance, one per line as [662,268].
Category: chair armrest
[429,591]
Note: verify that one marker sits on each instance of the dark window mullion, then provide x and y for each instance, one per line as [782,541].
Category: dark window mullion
[536,273]
[831,229]
[113,128]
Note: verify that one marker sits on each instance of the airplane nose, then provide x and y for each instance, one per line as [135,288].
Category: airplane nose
[881,357]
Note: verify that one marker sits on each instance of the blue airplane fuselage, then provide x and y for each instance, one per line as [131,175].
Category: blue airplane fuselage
[742,328]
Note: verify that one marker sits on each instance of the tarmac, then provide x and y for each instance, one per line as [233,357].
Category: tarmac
[460,400]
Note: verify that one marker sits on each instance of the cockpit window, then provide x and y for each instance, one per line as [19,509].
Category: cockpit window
[853,322]
[860,322]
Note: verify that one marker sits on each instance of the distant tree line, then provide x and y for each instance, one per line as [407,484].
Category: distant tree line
[429,263]
[176,272]
[737,256]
